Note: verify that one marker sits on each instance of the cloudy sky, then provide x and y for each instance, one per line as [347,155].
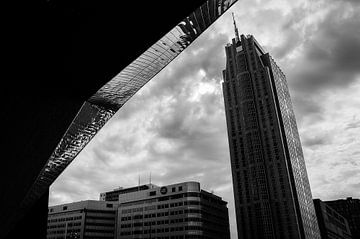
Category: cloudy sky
[175,127]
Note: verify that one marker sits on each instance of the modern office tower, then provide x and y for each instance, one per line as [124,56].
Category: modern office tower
[350,209]
[82,220]
[271,188]
[332,225]
[175,211]
[114,194]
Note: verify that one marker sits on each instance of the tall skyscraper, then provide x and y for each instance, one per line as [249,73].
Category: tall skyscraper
[271,188]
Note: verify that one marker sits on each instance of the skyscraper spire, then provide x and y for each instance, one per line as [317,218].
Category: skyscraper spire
[236,29]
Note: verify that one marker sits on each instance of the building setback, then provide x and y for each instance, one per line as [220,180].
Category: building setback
[82,220]
[177,211]
[331,224]
[350,209]
[271,188]
[114,194]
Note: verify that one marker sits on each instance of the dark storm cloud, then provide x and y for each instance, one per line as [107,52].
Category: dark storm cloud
[332,56]
[290,32]
[117,142]
[353,125]
[206,53]
[180,112]
[294,17]
[316,141]
[101,155]
[355,2]
[306,106]
[191,124]
[171,124]
[328,55]
[292,40]
[355,153]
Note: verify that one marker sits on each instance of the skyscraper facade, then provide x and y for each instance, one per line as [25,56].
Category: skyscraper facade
[271,188]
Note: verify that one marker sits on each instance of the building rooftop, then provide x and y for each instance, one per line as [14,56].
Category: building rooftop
[86,204]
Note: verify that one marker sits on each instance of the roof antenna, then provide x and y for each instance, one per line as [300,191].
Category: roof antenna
[139,183]
[150,178]
[236,29]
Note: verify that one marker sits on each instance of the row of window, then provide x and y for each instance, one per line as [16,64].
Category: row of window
[64,225]
[100,224]
[175,237]
[64,219]
[54,237]
[164,198]
[159,214]
[100,230]
[101,218]
[161,230]
[162,222]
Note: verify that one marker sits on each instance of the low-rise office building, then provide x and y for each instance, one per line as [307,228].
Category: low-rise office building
[176,211]
[82,220]
[350,209]
[332,225]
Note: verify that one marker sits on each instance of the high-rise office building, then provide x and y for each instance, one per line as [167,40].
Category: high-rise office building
[82,220]
[177,211]
[271,187]
[350,209]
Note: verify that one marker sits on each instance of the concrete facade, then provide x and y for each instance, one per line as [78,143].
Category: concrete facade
[82,220]
[176,211]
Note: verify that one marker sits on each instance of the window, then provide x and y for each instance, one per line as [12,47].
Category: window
[152,193]
[180,188]
[173,189]
[109,205]
[65,208]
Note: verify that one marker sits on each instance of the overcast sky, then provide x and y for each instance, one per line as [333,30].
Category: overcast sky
[175,127]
